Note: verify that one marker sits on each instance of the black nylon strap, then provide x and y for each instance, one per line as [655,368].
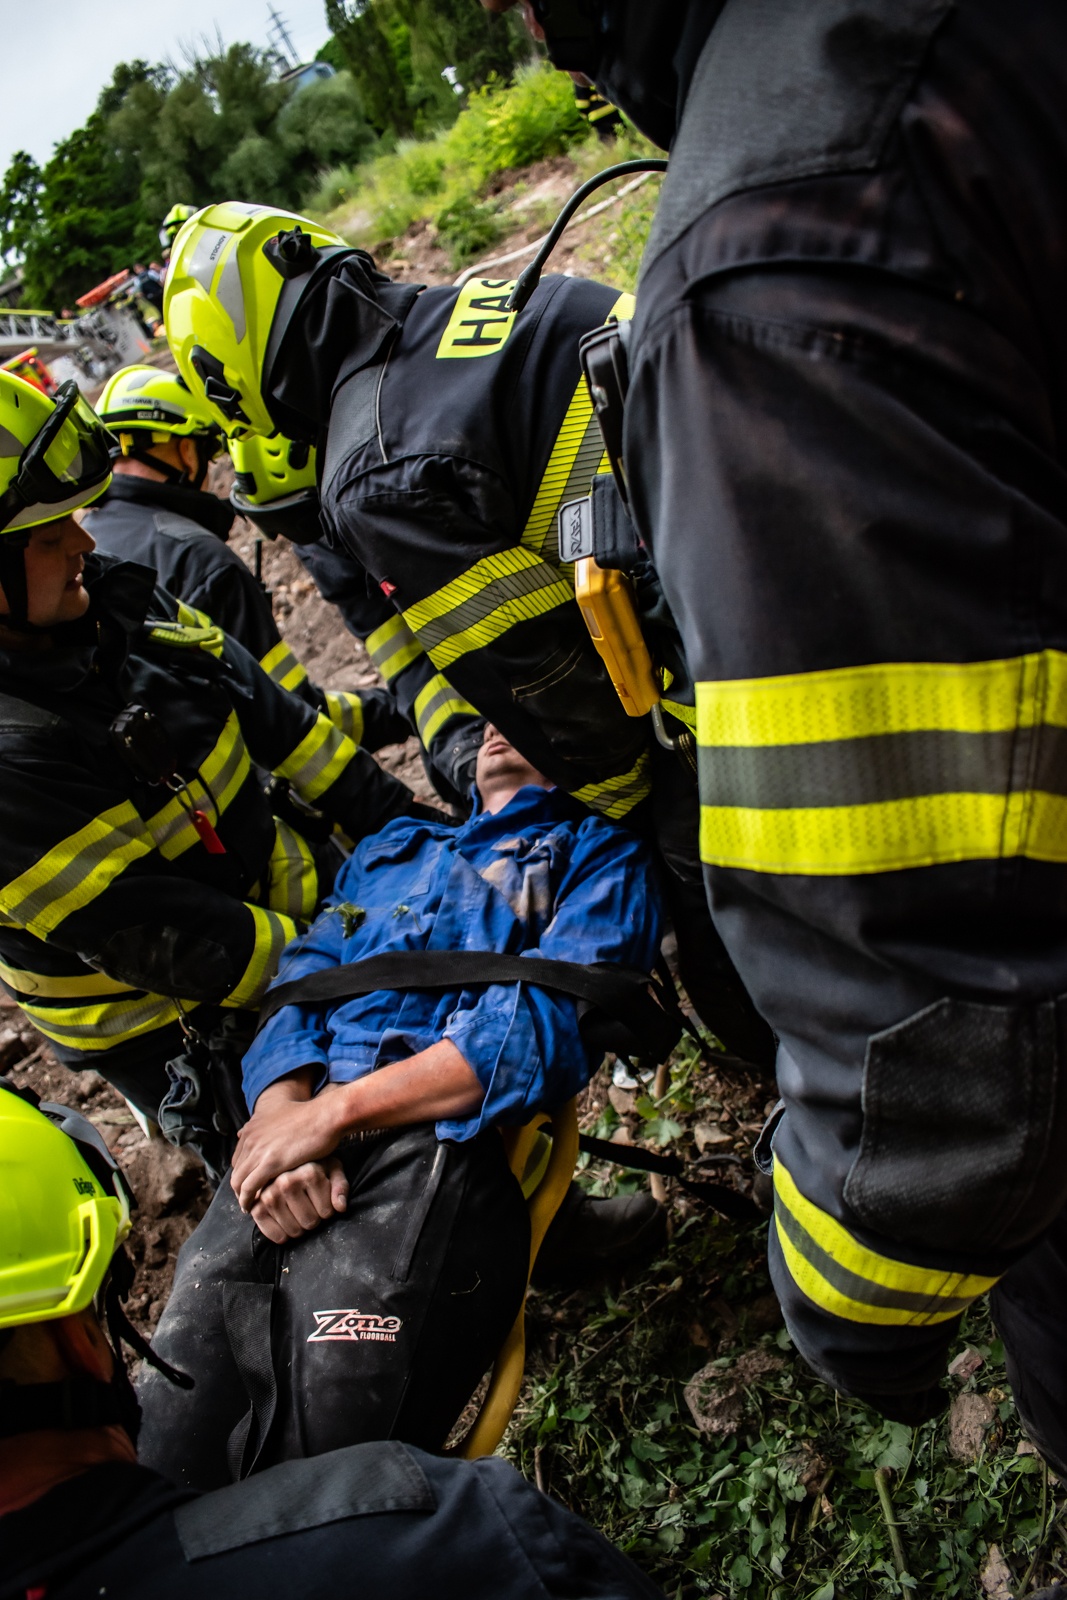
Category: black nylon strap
[726,1201]
[620,993]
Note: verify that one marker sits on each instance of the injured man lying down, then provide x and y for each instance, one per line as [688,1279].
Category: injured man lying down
[358,1271]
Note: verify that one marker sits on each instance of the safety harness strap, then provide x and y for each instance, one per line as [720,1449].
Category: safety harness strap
[624,996]
[726,1201]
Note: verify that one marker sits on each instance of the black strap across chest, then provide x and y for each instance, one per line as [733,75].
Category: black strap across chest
[623,996]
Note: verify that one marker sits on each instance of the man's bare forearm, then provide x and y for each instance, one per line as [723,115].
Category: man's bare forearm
[288,1128]
[435,1085]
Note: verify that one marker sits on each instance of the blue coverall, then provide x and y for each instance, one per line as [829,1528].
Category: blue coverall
[540,877]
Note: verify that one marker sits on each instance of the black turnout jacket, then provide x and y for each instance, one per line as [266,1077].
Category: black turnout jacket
[121,896]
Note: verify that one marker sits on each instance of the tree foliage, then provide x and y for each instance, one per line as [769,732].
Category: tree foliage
[225,127]
[397,50]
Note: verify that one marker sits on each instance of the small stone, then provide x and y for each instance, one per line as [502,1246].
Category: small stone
[970,1418]
[12,1048]
[716,1395]
[622,1100]
[966,1364]
[995,1576]
[707,1134]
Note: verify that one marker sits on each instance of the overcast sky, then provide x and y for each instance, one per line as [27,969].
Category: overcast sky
[58,55]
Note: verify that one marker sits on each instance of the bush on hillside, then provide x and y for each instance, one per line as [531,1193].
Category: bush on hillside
[443,178]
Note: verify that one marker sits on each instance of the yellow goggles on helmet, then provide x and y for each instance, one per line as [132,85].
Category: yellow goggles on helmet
[66,463]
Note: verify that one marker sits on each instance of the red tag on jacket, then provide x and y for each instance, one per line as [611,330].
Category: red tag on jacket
[209,838]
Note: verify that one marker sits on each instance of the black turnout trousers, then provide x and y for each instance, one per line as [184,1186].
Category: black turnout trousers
[846,443]
[378,1325]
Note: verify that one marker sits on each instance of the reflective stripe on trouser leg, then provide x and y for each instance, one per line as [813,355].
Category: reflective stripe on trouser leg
[849,1280]
[884,767]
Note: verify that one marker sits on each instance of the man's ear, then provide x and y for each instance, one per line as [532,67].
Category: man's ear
[83,1345]
[190,456]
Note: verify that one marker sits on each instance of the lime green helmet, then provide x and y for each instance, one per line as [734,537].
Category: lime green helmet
[172,222]
[236,275]
[274,486]
[55,456]
[64,1212]
[143,406]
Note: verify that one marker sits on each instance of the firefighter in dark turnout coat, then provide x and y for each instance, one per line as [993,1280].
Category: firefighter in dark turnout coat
[453,432]
[144,874]
[156,512]
[844,442]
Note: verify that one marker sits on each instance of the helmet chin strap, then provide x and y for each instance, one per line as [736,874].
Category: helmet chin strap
[83,1402]
[13,583]
[170,474]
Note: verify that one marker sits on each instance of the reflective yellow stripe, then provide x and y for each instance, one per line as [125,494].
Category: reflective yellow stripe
[292,878]
[281,665]
[392,647]
[101,1027]
[318,760]
[485,602]
[75,871]
[684,713]
[186,637]
[886,767]
[223,772]
[190,617]
[576,458]
[51,986]
[830,1266]
[345,711]
[893,697]
[614,797]
[435,703]
[273,933]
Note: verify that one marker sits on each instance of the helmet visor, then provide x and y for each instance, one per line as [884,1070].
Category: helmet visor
[68,457]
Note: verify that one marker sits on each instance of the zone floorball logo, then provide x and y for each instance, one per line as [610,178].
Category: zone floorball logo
[347,1327]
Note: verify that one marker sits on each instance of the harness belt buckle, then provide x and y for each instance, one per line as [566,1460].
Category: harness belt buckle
[576,529]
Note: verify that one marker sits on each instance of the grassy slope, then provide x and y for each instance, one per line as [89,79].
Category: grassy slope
[802,1494]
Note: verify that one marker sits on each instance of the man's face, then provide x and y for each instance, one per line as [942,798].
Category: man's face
[55,557]
[500,769]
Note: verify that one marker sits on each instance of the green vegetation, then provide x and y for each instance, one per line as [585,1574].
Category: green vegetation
[503,127]
[799,1495]
[396,51]
[226,127]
